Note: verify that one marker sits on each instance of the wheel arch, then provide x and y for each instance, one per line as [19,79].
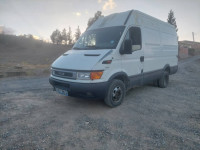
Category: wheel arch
[121,76]
[166,68]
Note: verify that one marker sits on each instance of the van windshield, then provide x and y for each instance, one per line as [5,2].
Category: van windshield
[102,38]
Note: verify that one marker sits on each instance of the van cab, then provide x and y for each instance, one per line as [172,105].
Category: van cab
[116,53]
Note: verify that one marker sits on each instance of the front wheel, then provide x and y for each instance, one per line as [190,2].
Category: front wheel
[115,94]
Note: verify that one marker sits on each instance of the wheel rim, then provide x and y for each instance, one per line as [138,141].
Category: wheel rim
[117,94]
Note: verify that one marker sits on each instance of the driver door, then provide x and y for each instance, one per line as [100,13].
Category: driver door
[133,63]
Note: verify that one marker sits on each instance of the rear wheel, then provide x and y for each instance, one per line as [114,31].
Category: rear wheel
[164,80]
[115,94]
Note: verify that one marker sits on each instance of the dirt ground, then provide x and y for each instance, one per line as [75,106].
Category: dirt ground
[32,116]
[21,56]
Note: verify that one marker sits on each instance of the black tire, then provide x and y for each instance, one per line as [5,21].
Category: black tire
[155,83]
[115,94]
[164,80]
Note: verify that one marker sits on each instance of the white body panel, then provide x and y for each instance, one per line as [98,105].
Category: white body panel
[159,48]
[76,59]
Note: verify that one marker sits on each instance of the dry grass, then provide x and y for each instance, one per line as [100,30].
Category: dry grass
[22,56]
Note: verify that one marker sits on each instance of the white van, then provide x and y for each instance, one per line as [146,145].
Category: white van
[116,53]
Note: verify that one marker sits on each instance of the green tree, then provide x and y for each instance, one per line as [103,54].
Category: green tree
[172,20]
[77,33]
[69,37]
[64,36]
[56,37]
[93,19]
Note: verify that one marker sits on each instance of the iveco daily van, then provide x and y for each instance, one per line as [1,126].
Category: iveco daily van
[116,53]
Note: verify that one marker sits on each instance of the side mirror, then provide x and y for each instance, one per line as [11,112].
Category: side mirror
[127,48]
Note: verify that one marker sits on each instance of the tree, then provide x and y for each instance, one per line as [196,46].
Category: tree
[64,36]
[77,33]
[172,20]
[30,36]
[6,30]
[53,39]
[59,38]
[56,37]
[69,36]
[93,19]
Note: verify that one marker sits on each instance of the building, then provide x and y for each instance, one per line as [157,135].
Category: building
[188,48]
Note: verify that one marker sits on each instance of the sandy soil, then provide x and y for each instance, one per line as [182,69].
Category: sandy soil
[20,56]
[32,116]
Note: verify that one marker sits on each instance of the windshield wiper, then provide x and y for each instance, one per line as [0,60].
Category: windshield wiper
[93,47]
[86,47]
[90,48]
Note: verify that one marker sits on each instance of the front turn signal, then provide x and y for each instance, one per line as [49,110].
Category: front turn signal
[96,75]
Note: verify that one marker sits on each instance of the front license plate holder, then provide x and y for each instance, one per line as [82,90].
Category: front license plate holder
[62,91]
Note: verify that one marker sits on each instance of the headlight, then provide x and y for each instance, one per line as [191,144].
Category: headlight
[89,75]
[52,72]
[83,75]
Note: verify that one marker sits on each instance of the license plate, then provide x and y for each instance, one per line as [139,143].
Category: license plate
[62,91]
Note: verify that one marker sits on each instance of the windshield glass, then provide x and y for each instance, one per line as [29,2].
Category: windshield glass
[103,38]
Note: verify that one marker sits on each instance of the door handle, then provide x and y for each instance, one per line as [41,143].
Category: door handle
[142,59]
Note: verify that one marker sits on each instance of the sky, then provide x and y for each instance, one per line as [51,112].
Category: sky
[42,17]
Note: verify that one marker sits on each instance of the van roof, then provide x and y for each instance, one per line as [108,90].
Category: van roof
[116,19]
[127,18]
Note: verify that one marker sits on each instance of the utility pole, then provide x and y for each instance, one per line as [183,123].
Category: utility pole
[193,36]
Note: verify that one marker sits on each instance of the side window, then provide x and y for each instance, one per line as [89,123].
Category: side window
[135,37]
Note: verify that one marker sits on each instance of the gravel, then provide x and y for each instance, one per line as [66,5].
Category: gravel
[32,116]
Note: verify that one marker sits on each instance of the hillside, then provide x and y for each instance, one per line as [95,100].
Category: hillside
[23,56]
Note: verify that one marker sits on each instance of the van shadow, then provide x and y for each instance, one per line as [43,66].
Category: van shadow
[76,102]
[94,103]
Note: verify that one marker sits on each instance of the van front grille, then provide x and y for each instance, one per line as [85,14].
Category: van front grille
[64,74]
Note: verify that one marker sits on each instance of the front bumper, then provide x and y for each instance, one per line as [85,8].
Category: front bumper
[87,90]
